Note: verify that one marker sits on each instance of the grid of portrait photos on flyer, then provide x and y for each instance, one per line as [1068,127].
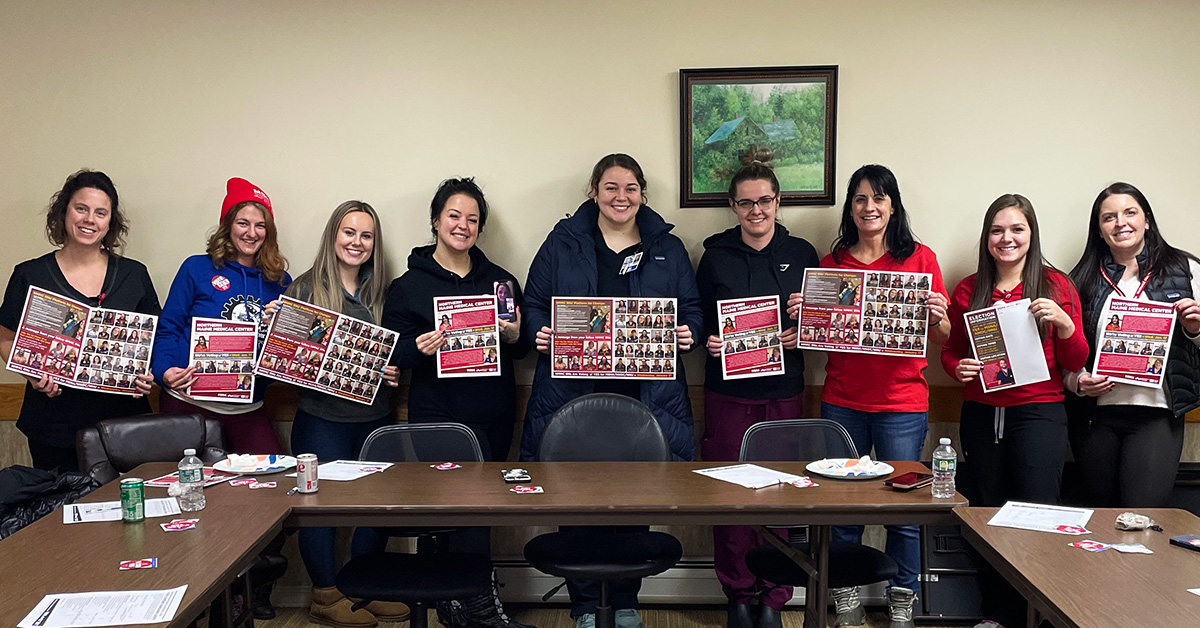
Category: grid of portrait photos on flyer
[322,350]
[750,345]
[599,337]
[222,355]
[1134,341]
[470,336]
[865,312]
[80,347]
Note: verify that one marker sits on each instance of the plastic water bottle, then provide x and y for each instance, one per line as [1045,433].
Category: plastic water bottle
[191,482]
[945,463]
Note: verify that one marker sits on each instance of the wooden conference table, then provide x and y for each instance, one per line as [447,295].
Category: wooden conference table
[1073,588]
[49,557]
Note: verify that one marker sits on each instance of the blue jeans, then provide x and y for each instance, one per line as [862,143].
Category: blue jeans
[894,436]
[330,441]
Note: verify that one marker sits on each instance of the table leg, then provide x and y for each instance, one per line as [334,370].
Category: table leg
[816,594]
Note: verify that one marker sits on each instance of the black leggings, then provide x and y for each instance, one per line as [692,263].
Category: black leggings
[1014,453]
[1129,456]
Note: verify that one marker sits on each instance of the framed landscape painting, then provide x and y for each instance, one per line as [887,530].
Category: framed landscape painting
[782,116]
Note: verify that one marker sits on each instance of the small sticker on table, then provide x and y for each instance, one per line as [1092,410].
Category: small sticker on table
[527,489]
[178,525]
[142,563]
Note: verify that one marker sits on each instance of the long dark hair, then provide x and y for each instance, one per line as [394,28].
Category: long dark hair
[56,214]
[1035,281]
[1160,255]
[898,237]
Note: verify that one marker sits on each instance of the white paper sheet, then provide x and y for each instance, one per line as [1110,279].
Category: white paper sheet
[104,608]
[111,511]
[748,475]
[1040,517]
[346,470]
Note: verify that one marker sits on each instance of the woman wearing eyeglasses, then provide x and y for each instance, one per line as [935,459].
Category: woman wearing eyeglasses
[892,414]
[755,258]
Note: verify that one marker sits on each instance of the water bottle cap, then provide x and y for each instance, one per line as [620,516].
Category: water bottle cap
[189,452]
[944,441]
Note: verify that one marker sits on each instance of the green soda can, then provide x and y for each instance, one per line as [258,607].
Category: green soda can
[133,500]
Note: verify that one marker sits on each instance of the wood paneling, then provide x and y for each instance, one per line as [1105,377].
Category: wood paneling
[944,402]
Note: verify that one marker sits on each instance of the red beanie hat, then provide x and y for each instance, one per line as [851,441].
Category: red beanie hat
[238,190]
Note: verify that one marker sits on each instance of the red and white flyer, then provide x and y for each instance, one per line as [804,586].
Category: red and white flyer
[83,347]
[858,311]
[223,354]
[212,477]
[1006,339]
[1134,341]
[613,338]
[471,333]
[326,351]
[750,344]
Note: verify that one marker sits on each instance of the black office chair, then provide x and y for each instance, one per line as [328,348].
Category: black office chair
[604,427]
[115,446]
[809,439]
[420,579]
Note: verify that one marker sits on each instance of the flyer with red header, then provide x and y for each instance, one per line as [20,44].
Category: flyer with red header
[750,344]
[858,311]
[326,351]
[223,355]
[1005,338]
[1135,341]
[612,338]
[89,348]
[471,334]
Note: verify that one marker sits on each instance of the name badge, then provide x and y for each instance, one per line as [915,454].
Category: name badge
[631,263]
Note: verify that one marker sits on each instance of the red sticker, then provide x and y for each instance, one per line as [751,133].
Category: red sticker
[145,563]
[446,466]
[220,283]
[525,488]
[177,525]
[1072,530]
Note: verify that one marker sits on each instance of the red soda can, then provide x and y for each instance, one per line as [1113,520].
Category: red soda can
[306,473]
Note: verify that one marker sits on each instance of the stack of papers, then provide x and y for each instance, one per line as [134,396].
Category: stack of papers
[1042,518]
[346,470]
[104,608]
[749,475]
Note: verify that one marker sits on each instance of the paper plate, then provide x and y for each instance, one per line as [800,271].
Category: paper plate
[266,464]
[836,468]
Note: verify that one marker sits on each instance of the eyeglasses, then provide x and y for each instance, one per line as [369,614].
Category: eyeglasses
[748,204]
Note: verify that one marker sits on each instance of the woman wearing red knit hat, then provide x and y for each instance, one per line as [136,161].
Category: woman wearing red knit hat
[241,272]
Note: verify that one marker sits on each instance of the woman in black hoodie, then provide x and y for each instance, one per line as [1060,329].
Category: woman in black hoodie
[454,266]
[756,258]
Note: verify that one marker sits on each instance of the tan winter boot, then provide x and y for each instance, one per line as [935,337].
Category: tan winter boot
[331,608]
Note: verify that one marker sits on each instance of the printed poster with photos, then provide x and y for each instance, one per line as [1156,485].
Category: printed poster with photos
[471,336]
[858,311]
[223,355]
[750,344]
[89,348]
[598,337]
[1134,341]
[1006,339]
[323,350]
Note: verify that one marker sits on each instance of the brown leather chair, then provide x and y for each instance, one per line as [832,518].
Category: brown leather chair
[116,446]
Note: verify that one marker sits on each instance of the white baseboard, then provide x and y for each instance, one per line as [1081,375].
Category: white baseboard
[690,583]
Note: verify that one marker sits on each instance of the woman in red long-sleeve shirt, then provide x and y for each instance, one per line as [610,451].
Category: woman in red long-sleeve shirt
[1014,440]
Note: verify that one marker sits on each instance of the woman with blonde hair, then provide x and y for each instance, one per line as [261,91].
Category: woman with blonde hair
[240,273]
[350,276]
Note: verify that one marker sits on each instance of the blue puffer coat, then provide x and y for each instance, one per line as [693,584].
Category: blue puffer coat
[566,266]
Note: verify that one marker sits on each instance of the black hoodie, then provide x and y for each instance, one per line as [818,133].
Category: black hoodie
[482,402]
[730,269]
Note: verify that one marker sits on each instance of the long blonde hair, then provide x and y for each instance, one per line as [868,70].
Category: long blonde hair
[268,259]
[324,278]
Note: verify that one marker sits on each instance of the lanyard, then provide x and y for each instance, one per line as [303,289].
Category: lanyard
[1137,293]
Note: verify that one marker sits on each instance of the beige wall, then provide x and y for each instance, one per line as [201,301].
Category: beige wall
[318,102]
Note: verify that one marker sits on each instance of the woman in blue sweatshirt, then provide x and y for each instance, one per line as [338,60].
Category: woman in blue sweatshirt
[239,275]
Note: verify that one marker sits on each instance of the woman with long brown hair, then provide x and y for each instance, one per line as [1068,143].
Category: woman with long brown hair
[239,275]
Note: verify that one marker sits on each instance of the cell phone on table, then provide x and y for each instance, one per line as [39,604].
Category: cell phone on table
[516,476]
[910,481]
[1188,541]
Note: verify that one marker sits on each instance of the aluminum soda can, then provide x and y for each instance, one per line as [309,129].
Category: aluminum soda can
[133,500]
[306,473]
